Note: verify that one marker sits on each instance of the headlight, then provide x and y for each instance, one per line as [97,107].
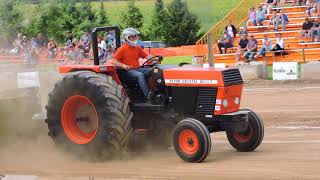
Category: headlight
[236,100]
[225,103]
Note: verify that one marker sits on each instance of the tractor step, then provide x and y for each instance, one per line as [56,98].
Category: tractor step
[147,107]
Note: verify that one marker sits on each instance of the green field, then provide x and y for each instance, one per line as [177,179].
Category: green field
[208,11]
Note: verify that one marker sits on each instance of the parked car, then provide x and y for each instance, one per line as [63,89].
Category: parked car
[153,44]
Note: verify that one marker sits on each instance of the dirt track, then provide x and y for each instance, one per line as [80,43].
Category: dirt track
[290,150]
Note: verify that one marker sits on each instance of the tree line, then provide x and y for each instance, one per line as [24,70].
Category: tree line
[172,23]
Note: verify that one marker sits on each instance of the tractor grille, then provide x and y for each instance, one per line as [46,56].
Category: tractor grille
[206,100]
[232,77]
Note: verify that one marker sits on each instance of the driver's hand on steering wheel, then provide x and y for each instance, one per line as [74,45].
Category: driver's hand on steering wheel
[126,67]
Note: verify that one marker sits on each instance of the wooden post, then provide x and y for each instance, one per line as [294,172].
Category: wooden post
[210,50]
[303,56]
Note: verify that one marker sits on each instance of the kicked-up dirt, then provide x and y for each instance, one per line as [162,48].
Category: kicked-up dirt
[290,150]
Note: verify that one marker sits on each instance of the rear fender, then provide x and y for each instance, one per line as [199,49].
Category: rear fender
[107,69]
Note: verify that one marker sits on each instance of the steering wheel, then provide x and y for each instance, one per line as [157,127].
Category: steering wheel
[155,60]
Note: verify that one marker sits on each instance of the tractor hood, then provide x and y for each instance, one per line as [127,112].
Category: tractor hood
[201,77]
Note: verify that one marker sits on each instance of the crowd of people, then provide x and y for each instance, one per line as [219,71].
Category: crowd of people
[248,45]
[73,50]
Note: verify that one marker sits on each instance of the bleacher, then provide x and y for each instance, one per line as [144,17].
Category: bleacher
[297,50]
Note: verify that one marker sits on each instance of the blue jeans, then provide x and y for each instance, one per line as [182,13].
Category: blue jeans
[249,55]
[314,33]
[139,74]
[253,21]
[263,50]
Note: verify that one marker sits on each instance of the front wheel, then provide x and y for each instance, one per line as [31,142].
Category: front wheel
[191,140]
[250,139]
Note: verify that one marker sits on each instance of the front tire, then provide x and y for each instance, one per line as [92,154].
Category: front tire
[89,115]
[191,140]
[251,138]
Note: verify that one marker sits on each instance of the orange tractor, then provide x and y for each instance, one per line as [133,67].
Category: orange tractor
[96,110]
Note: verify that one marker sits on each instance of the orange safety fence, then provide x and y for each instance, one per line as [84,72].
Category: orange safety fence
[237,16]
[43,57]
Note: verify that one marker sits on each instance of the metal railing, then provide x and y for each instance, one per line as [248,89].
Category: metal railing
[237,16]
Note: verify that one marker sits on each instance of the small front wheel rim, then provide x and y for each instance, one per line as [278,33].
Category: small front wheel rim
[188,142]
[243,137]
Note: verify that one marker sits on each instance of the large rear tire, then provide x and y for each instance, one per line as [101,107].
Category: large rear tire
[251,138]
[89,115]
[191,140]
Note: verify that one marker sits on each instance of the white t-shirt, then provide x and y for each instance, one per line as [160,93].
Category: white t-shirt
[230,31]
[102,46]
[280,42]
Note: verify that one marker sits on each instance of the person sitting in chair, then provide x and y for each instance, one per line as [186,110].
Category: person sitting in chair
[127,57]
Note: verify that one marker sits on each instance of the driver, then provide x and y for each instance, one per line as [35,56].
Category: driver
[127,57]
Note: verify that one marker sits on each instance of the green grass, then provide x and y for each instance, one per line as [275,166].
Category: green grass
[176,60]
[208,11]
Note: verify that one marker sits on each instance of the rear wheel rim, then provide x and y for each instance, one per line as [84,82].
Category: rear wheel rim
[79,119]
[188,142]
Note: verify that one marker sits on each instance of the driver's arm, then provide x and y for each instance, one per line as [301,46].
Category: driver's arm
[119,64]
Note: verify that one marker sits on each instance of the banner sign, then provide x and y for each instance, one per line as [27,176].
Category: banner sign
[285,70]
[28,79]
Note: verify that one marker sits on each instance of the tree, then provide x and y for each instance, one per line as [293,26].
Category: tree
[182,26]
[158,23]
[86,19]
[49,21]
[132,17]
[102,18]
[10,18]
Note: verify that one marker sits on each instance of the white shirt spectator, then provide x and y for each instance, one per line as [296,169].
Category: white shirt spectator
[280,42]
[103,47]
[230,31]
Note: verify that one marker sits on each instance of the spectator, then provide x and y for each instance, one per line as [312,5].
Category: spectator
[225,42]
[310,5]
[275,20]
[306,29]
[278,47]
[34,52]
[41,43]
[298,2]
[261,15]
[242,46]
[85,43]
[102,45]
[281,3]
[110,45]
[69,39]
[252,47]
[17,45]
[271,4]
[312,11]
[243,31]
[315,30]
[266,46]
[252,17]
[232,31]
[140,43]
[26,48]
[284,20]
[52,49]
[73,54]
